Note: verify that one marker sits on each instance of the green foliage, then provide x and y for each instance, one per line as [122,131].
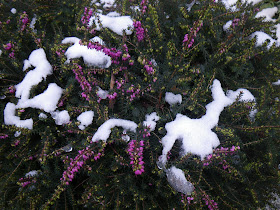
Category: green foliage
[238,179]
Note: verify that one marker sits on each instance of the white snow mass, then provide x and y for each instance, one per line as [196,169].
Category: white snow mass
[268,13]
[61,117]
[117,24]
[91,57]
[178,181]
[245,96]
[151,121]
[85,119]
[276,83]
[46,101]
[13,10]
[262,37]
[11,119]
[172,99]
[104,131]
[42,69]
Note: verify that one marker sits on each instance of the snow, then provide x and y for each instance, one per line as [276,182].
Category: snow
[173,99]
[104,131]
[102,93]
[17,134]
[151,121]
[32,23]
[1,52]
[46,101]
[276,83]
[117,24]
[262,37]
[245,96]
[98,40]
[61,117]
[113,14]
[227,25]
[91,57]
[42,69]
[31,173]
[178,181]
[268,13]
[107,3]
[85,119]
[13,10]
[43,116]
[196,134]
[11,119]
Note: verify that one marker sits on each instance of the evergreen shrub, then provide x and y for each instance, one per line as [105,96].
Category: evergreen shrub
[176,46]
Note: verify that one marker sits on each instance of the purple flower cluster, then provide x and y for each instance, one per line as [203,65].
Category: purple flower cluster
[112,96]
[87,15]
[23,21]
[23,182]
[140,31]
[189,39]
[144,6]
[9,47]
[4,136]
[235,22]
[219,154]
[76,164]
[210,203]
[134,92]
[84,84]
[12,89]
[135,151]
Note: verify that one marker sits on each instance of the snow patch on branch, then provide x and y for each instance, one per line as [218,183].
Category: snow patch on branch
[196,134]
[151,120]
[46,101]
[11,119]
[104,131]
[118,24]
[85,119]
[173,99]
[92,57]
[42,69]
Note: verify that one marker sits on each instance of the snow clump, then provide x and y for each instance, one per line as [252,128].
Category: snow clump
[85,119]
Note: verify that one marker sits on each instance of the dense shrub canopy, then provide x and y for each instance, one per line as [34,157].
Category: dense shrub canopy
[139,104]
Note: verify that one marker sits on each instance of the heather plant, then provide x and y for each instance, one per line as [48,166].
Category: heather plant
[145,105]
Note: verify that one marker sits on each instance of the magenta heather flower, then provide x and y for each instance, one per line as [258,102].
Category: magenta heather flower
[76,164]
[4,136]
[135,151]
[84,84]
[144,6]
[189,38]
[87,15]
[8,46]
[23,21]
[140,31]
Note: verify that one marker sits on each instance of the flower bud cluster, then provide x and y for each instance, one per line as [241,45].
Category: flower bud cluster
[219,154]
[9,47]
[134,92]
[4,136]
[235,22]
[76,164]
[135,151]
[23,21]
[140,31]
[211,204]
[144,6]
[84,84]
[87,15]
[189,38]
[24,182]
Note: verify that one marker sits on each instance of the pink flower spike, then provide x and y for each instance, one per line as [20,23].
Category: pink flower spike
[138,172]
